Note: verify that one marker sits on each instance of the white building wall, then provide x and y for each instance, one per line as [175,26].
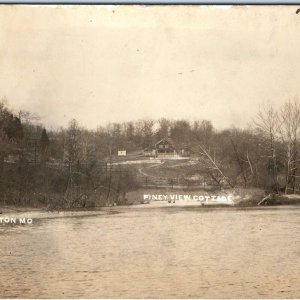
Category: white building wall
[122,153]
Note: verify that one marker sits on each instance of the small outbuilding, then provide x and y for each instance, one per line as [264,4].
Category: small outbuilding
[122,153]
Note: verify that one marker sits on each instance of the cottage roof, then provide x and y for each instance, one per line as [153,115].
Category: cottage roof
[168,140]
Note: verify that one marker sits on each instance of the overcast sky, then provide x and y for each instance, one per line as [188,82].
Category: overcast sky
[118,63]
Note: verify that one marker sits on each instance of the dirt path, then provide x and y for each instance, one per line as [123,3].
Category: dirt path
[152,166]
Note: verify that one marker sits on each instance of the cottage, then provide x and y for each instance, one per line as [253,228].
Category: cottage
[165,148]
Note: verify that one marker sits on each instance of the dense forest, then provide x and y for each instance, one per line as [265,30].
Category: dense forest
[71,167]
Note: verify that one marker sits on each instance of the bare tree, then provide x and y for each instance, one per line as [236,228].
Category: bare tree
[27,116]
[269,123]
[290,132]
[73,156]
[147,132]
[164,128]
[214,167]
[240,161]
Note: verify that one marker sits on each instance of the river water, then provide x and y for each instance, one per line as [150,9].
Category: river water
[157,252]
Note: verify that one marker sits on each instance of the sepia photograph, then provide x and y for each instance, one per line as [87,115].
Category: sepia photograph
[150,151]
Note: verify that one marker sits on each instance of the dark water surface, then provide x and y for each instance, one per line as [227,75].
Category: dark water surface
[154,252]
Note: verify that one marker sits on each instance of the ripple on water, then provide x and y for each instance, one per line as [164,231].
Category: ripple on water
[227,253]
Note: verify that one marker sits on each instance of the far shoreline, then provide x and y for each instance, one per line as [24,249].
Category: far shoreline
[10,209]
[242,198]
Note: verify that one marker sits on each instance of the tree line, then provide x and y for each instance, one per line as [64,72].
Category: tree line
[72,167]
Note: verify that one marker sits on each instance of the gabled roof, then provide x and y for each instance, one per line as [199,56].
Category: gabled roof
[168,140]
